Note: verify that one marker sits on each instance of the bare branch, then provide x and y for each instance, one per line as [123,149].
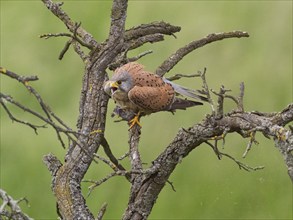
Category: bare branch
[92,117]
[171,184]
[112,158]
[14,211]
[62,128]
[188,139]
[240,105]
[65,49]
[134,155]
[150,29]
[123,156]
[50,35]
[98,183]
[74,40]
[55,8]
[220,102]
[242,165]
[133,44]
[251,141]
[146,184]
[171,61]
[179,76]
[34,127]
[102,211]
[122,59]
[215,148]
[82,55]
[206,90]
[23,79]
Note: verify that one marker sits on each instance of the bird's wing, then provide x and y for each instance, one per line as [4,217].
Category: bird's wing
[145,78]
[185,91]
[152,99]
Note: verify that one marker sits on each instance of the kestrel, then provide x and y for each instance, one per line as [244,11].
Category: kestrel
[142,92]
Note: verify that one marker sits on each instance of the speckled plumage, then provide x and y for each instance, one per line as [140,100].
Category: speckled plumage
[141,91]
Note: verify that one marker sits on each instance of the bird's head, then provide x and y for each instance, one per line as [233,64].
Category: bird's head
[120,83]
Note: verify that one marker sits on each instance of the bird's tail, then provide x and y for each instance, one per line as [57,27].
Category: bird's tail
[187,92]
[182,104]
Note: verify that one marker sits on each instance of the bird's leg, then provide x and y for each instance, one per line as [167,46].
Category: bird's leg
[134,121]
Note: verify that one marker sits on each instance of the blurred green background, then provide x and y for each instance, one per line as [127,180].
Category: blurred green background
[206,188]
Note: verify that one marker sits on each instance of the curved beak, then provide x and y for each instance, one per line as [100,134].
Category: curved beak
[110,87]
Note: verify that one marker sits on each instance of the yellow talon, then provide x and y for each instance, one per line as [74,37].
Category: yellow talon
[134,121]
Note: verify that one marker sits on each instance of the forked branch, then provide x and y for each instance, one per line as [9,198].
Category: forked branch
[49,119]
[10,208]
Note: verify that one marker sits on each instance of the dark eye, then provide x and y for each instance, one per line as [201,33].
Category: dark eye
[119,82]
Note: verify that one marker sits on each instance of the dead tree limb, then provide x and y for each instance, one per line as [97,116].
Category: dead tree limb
[146,184]
[91,121]
[10,208]
[187,140]
[172,60]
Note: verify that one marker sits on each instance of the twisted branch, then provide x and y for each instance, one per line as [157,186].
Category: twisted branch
[172,60]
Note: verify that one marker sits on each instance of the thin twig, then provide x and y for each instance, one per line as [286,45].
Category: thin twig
[62,128]
[135,58]
[242,165]
[15,211]
[109,176]
[171,184]
[22,79]
[98,183]
[34,127]
[215,148]
[220,102]
[102,211]
[123,59]
[49,35]
[249,145]
[112,158]
[123,156]
[106,161]
[179,76]
[65,49]
[206,89]
[86,37]
[73,41]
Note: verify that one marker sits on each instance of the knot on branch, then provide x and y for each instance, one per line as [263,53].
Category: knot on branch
[53,163]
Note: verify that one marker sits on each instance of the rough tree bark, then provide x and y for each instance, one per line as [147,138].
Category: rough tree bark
[146,184]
